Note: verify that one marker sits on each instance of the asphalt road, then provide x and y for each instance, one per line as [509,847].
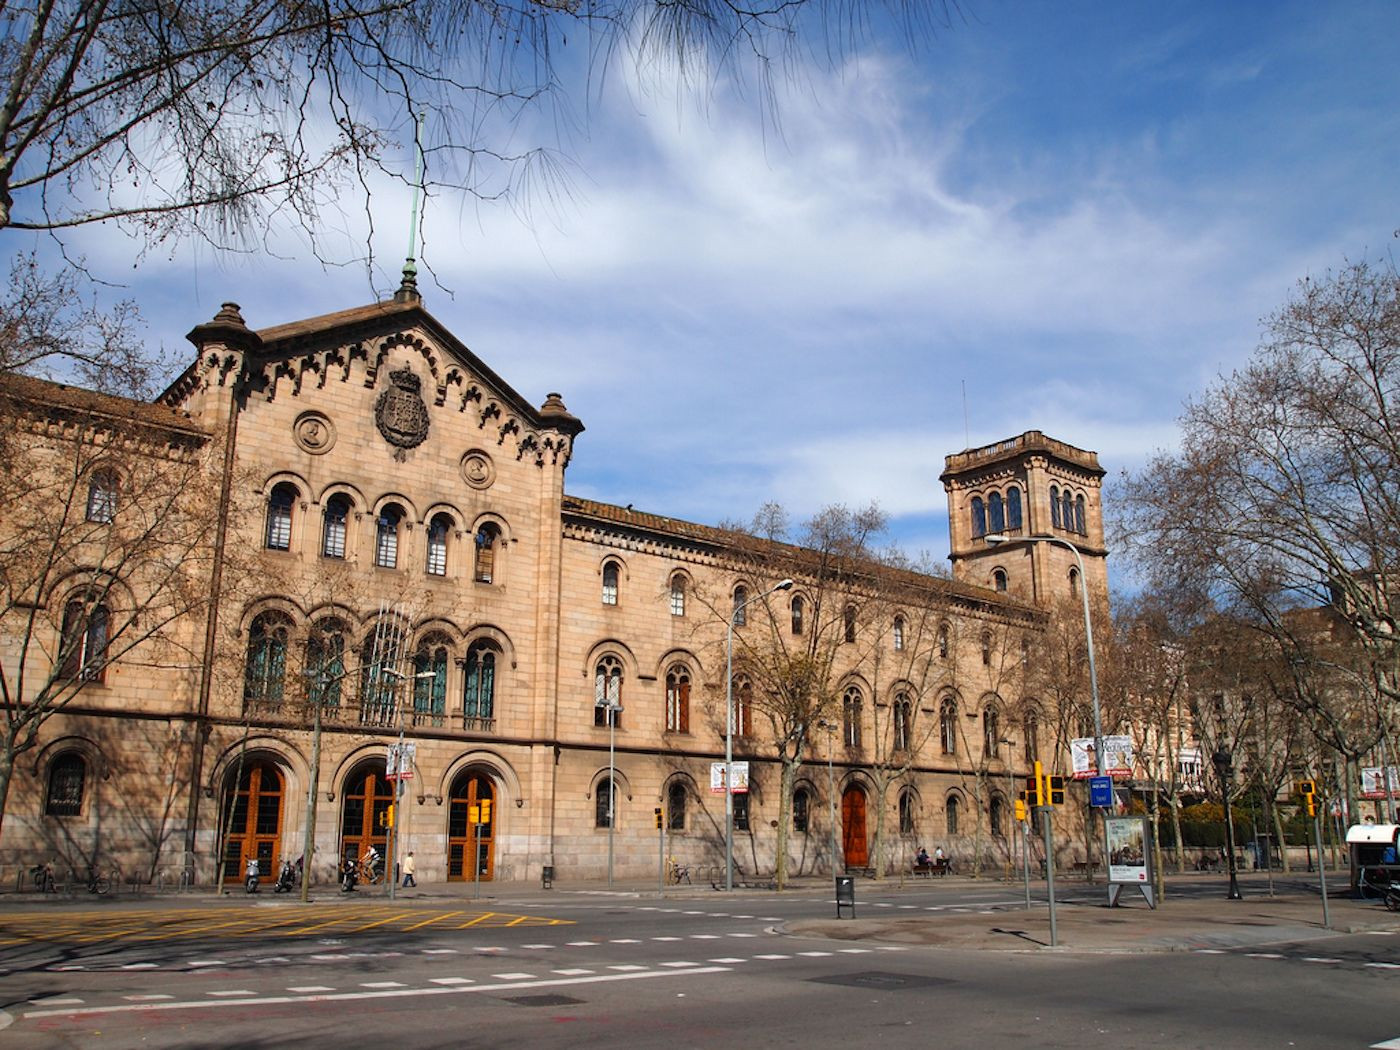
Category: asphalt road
[597,970]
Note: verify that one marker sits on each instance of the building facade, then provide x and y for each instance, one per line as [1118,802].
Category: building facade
[392,557]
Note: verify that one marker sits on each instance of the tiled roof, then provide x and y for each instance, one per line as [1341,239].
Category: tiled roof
[89,402]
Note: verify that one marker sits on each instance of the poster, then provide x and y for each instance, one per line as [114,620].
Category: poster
[1371,785]
[1118,757]
[1127,848]
[739,783]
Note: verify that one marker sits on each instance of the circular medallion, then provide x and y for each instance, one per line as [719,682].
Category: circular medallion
[477,469]
[313,433]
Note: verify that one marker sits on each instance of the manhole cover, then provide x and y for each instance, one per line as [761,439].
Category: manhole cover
[543,1000]
[877,979]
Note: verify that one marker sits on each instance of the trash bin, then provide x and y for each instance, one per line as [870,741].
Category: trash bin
[547,877]
[845,894]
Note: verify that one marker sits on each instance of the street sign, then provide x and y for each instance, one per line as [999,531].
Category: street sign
[1101,791]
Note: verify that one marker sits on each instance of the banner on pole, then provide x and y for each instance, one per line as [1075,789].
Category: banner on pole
[738,781]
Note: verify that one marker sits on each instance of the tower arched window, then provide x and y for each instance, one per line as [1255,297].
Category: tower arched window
[950,814]
[1030,731]
[948,726]
[677,595]
[798,608]
[903,719]
[1079,516]
[1055,506]
[610,578]
[325,664]
[488,543]
[741,600]
[1013,509]
[801,810]
[265,667]
[996,816]
[979,517]
[1074,583]
[607,692]
[479,689]
[999,580]
[83,641]
[743,706]
[604,801]
[438,530]
[906,812]
[678,700]
[430,683]
[102,497]
[333,519]
[675,806]
[851,717]
[899,633]
[386,536]
[943,642]
[991,732]
[848,616]
[279,516]
[986,649]
[67,783]
[1067,510]
[996,513]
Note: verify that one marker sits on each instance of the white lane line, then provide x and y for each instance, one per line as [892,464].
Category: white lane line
[572,973]
[141,966]
[381,984]
[815,955]
[726,962]
[1389,1044]
[667,938]
[679,964]
[436,980]
[231,992]
[304,989]
[444,951]
[743,916]
[772,956]
[854,951]
[55,1002]
[771,918]
[704,936]
[1319,959]
[1383,966]
[582,944]
[741,935]
[626,968]
[537,947]
[1264,955]
[496,951]
[1209,951]
[211,962]
[154,997]
[514,976]
[625,940]
[392,993]
[692,913]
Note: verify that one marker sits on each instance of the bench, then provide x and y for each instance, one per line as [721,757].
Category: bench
[934,868]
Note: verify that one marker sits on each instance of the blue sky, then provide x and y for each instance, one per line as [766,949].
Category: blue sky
[1075,212]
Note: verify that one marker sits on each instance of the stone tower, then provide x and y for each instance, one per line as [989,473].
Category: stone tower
[1030,485]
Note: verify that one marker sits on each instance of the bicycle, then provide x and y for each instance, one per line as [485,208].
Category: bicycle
[98,883]
[1389,891]
[371,870]
[42,875]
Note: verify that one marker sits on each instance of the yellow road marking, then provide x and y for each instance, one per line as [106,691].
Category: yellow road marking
[480,918]
[429,922]
[380,922]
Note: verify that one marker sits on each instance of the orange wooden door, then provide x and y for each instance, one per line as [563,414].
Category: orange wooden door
[853,844]
[469,791]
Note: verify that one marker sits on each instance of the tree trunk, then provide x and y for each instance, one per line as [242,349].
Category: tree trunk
[789,775]
[1174,802]
[7,767]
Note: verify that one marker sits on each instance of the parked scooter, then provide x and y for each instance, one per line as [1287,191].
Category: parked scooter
[251,875]
[289,878]
[349,875]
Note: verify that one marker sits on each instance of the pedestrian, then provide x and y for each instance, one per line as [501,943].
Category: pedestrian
[408,867]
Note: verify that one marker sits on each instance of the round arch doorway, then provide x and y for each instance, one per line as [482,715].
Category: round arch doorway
[252,819]
[854,848]
[364,809]
[469,790]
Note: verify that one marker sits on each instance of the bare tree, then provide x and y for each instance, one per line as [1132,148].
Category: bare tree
[106,551]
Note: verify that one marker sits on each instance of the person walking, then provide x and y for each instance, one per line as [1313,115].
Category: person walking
[408,869]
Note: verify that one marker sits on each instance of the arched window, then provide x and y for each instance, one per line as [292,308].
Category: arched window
[906,812]
[479,690]
[279,516]
[996,815]
[610,575]
[386,537]
[1074,583]
[851,717]
[1013,509]
[438,529]
[1030,730]
[986,649]
[991,732]
[903,720]
[430,682]
[675,806]
[604,803]
[996,514]
[1067,509]
[797,611]
[848,617]
[950,813]
[948,726]
[743,706]
[801,810]
[607,692]
[325,664]
[264,671]
[380,677]
[741,599]
[678,700]
[1079,516]
[943,642]
[67,782]
[1055,506]
[488,541]
[979,517]
[102,497]
[333,519]
[677,595]
[82,649]
[999,580]
[898,633]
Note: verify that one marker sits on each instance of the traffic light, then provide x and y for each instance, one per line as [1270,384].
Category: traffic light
[657,811]
[1035,787]
[486,811]
[1311,802]
[386,816]
[1306,787]
[1057,790]
[1020,809]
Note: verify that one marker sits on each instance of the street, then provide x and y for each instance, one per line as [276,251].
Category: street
[627,970]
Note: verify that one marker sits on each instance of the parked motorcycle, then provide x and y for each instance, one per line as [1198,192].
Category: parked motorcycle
[349,875]
[252,875]
[288,878]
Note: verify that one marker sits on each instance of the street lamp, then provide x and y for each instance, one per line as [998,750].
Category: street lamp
[830,728]
[1223,770]
[996,538]
[392,860]
[784,585]
[612,707]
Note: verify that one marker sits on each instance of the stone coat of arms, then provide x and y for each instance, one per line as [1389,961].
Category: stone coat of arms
[400,413]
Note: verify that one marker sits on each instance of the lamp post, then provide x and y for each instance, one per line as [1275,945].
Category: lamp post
[392,859]
[1223,770]
[830,728]
[729,730]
